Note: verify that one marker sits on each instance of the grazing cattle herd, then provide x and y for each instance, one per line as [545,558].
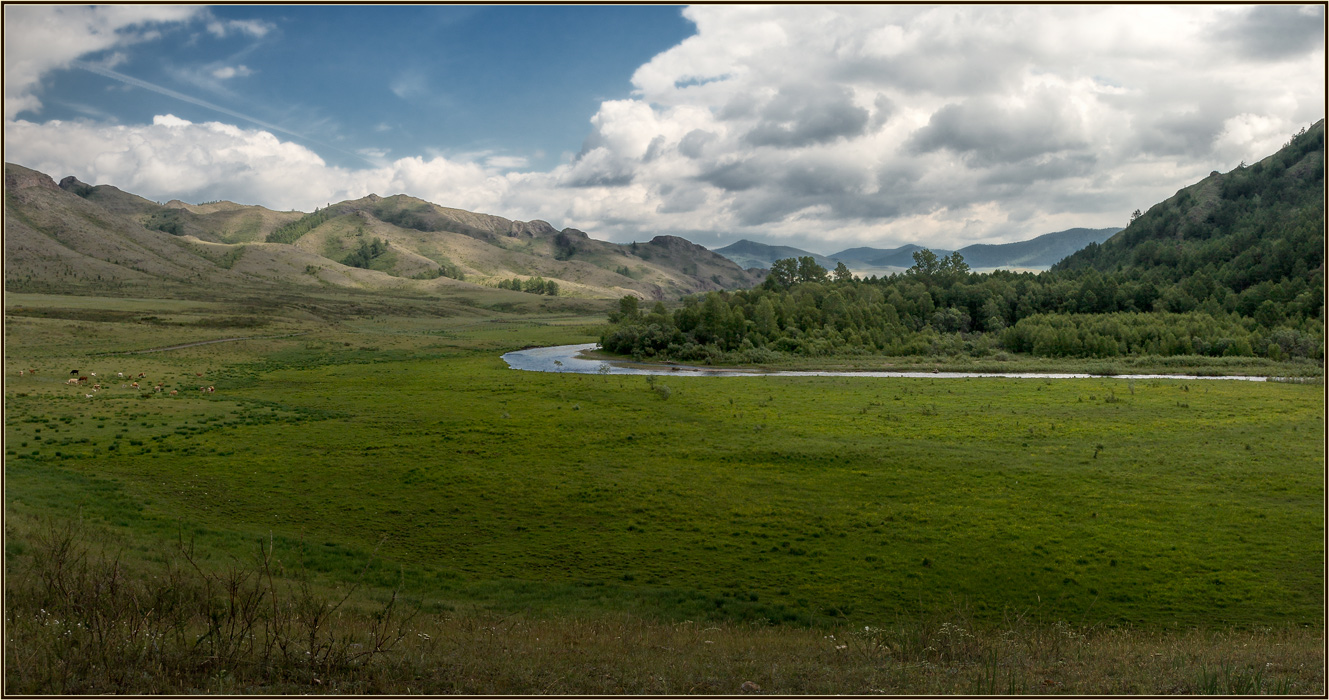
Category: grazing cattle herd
[77,378]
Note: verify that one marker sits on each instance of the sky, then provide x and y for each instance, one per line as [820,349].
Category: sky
[817,126]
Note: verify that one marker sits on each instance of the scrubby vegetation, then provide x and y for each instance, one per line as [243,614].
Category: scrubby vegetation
[531,285]
[166,220]
[365,254]
[292,232]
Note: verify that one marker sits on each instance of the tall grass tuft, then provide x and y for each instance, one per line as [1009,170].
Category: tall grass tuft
[81,620]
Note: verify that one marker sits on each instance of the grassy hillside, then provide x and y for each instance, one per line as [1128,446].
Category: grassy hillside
[57,242]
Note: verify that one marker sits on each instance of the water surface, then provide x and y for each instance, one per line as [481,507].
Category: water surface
[568,358]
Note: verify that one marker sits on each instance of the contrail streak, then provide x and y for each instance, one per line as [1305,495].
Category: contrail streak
[115,75]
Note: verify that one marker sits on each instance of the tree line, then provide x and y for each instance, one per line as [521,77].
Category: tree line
[531,285]
[940,307]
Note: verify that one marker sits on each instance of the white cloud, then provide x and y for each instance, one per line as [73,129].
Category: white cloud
[506,162]
[827,127]
[248,27]
[43,38]
[892,124]
[228,72]
[175,158]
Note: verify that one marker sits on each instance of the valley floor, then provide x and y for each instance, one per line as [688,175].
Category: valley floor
[551,533]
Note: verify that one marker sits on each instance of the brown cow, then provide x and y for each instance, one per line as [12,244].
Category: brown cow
[82,380]
[135,385]
[173,392]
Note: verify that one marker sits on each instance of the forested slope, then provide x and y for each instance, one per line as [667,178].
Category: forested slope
[1231,266]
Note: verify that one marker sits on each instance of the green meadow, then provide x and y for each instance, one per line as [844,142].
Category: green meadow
[401,439]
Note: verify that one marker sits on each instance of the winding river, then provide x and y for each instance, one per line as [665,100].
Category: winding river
[568,358]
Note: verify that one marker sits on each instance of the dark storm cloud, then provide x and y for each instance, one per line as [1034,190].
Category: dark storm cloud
[1180,133]
[735,177]
[694,143]
[654,149]
[820,177]
[1057,167]
[1274,32]
[883,110]
[600,168]
[679,200]
[807,115]
[989,133]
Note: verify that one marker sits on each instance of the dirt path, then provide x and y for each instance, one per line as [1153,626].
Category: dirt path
[204,342]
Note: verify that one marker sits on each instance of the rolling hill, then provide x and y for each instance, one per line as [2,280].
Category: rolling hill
[751,254]
[875,258]
[75,235]
[1257,225]
[1041,252]
[1036,253]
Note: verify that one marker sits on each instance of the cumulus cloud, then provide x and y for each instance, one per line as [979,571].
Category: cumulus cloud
[824,127]
[174,158]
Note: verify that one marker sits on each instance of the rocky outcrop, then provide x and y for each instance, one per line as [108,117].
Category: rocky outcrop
[530,229]
[72,184]
[18,177]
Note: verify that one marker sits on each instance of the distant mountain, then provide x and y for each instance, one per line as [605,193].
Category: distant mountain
[1256,226]
[902,257]
[1035,253]
[1041,252]
[75,235]
[750,254]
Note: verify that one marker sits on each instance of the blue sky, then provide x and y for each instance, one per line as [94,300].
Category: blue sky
[402,80]
[823,127]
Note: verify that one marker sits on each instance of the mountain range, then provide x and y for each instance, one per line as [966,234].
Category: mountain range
[80,236]
[1037,253]
[1252,226]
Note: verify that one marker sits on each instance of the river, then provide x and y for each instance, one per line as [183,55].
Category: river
[567,358]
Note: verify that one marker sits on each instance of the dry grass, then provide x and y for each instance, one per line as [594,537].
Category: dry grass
[79,619]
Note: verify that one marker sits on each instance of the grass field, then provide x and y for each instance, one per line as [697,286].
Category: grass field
[402,439]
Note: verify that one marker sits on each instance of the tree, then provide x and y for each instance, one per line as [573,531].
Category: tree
[842,273]
[629,308]
[954,264]
[925,263]
[1135,215]
[810,271]
[784,273]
